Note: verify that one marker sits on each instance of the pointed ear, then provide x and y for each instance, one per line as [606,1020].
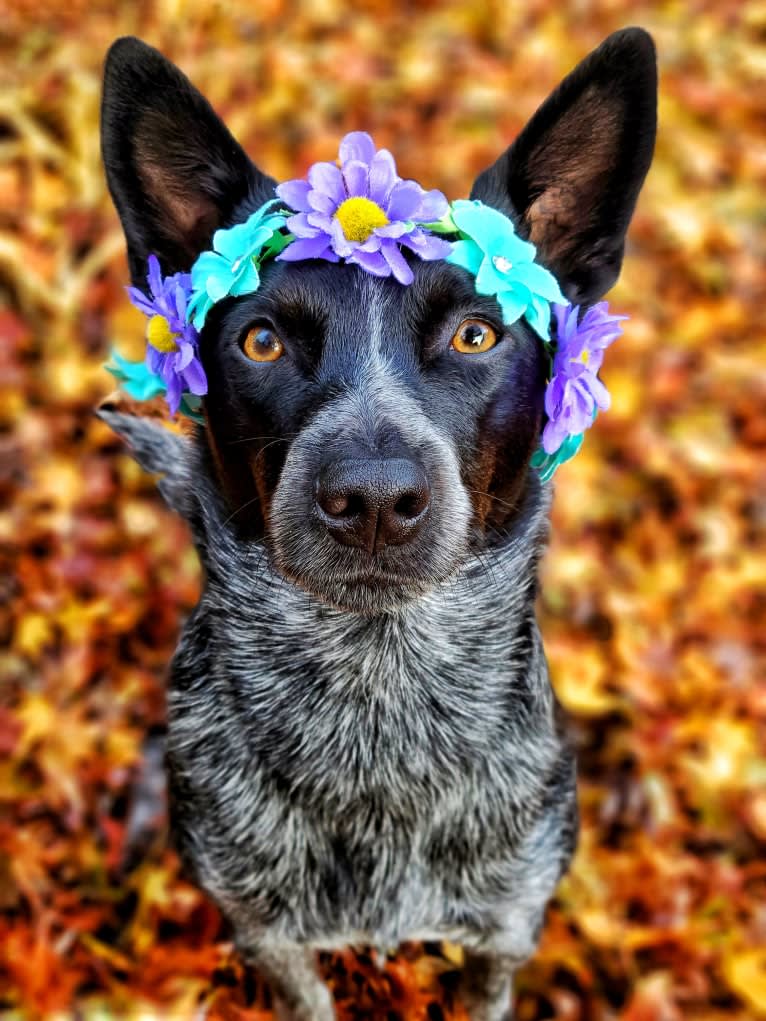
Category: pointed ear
[571,179]
[174,171]
[158,450]
[173,457]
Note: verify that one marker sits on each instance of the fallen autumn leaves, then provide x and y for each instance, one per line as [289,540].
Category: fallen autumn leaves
[653,605]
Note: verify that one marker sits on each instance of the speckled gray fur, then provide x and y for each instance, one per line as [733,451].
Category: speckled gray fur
[338,778]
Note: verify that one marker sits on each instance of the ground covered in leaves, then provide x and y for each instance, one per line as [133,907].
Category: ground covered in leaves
[653,604]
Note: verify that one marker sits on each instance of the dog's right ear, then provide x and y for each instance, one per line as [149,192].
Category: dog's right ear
[175,172]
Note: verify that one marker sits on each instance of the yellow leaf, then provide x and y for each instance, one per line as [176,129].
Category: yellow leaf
[33,631]
[745,974]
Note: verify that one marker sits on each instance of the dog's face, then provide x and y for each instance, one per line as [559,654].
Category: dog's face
[388,433]
[374,434]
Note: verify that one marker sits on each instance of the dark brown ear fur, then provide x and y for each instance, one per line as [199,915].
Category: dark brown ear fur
[572,177]
[174,170]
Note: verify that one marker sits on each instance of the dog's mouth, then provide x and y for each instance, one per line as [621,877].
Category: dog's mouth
[359,582]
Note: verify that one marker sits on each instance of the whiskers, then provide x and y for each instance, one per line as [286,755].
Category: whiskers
[256,439]
[234,513]
[491,566]
[496,499]
[468,567]
[273,440]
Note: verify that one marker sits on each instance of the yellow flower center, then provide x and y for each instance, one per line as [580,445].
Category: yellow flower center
[160,336]
[359,217]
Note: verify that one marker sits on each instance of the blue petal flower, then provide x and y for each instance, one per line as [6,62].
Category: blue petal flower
[172,366]
[230,268]
[363,212]
[504,265]
[136,378]
[575,393]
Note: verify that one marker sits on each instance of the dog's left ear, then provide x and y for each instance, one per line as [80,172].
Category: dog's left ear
[572,177]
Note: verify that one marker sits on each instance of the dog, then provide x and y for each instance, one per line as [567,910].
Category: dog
[363,743]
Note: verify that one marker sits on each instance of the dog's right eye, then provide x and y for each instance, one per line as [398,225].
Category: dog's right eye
[263,345]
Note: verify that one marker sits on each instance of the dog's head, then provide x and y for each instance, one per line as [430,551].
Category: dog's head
[375,434]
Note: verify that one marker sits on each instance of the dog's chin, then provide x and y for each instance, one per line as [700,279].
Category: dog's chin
[366,593]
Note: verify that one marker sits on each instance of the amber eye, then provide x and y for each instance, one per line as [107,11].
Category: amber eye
[263,345]
[473,337]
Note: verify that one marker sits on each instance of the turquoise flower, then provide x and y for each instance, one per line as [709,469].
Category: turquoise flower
[136,378]
[232,267]
[504,265]
[547,464]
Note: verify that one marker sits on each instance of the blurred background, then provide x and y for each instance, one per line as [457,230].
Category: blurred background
[654,587]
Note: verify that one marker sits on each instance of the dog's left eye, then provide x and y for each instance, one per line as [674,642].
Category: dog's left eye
[473,337]
[263,345]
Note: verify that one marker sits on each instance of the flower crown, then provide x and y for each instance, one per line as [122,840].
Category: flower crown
[362,212]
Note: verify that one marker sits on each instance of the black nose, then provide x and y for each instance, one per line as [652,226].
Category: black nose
[373,503]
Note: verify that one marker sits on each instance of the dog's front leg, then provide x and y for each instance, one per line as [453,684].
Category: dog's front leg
[486,985]
[290,969]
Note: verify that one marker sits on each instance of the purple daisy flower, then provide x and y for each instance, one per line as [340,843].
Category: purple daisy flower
[172,343]
[362,212]
[575,392]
